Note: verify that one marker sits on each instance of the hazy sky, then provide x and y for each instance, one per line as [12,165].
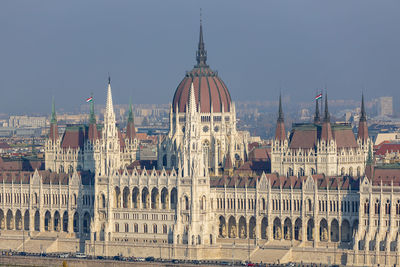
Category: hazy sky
[66,48]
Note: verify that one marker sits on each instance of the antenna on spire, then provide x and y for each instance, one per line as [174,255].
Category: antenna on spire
[109,78]
[200,17]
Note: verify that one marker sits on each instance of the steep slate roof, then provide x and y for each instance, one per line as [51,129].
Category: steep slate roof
[47,177]
[75,136]
[306,135]
[277,182]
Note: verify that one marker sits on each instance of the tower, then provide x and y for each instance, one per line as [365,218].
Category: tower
[111,145]
[280,134]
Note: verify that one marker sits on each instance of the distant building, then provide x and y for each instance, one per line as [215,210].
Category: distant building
[26,121]
[385,107]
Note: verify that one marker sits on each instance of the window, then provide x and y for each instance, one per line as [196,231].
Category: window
[135,228]
[116,227]
[155,228]
[145,228]
[126,228]
[164,228]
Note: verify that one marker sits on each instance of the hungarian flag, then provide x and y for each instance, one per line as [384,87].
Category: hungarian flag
[318,96]
[90,99]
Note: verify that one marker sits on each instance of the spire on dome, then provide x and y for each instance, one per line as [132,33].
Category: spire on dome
[53,113]
[201,54]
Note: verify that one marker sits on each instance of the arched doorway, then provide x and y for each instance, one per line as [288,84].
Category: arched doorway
[297,229]
[232,227]
[57,221]
[277,229]
[135,198]
[18,220]
[222,227]
[37,221]
[47,221]
[310,230]
[346,232]
[26,220]
[86,223]
[242,228]
[65,221]
[252,228]
[173,198]
[164,198]
[145,198]
[334,231]
[287,229]
[126,198]
[154,198]
[117,197]
[264,225]
[323,230]
[10,220]
[75,222]
[2,221]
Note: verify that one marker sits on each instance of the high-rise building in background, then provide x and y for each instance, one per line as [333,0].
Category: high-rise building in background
[385,106]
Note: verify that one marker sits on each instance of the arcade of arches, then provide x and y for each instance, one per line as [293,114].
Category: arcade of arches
[47,221]
[240,227]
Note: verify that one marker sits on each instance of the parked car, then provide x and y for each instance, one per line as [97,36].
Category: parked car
[149,258]
[80,255]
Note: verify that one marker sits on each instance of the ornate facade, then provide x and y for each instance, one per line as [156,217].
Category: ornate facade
[103,206]
[215,116]
[320,147]
[88,147]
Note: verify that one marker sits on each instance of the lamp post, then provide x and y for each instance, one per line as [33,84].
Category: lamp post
[233,251]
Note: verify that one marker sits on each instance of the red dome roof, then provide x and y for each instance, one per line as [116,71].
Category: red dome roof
[208,88]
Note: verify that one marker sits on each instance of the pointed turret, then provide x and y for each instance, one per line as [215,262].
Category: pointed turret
[53,123]
[201,54]
[362,125]
[317,117]
[326,133]
[109,104]
[93,134]
[192,107]
[280,124]
[130,127]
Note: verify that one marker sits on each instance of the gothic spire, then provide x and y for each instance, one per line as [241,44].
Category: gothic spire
[53,113]
[280,112]
[280,133]
[363,116]
[92,116]
[109,104]
[130,114]
[327,117]
[317,117]
[201,54]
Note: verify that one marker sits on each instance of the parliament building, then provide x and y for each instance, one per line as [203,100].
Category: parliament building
[324,199]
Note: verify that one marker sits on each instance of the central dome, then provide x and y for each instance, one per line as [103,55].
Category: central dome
[208,87]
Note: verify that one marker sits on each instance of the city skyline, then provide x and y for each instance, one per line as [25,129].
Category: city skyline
[259,52]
